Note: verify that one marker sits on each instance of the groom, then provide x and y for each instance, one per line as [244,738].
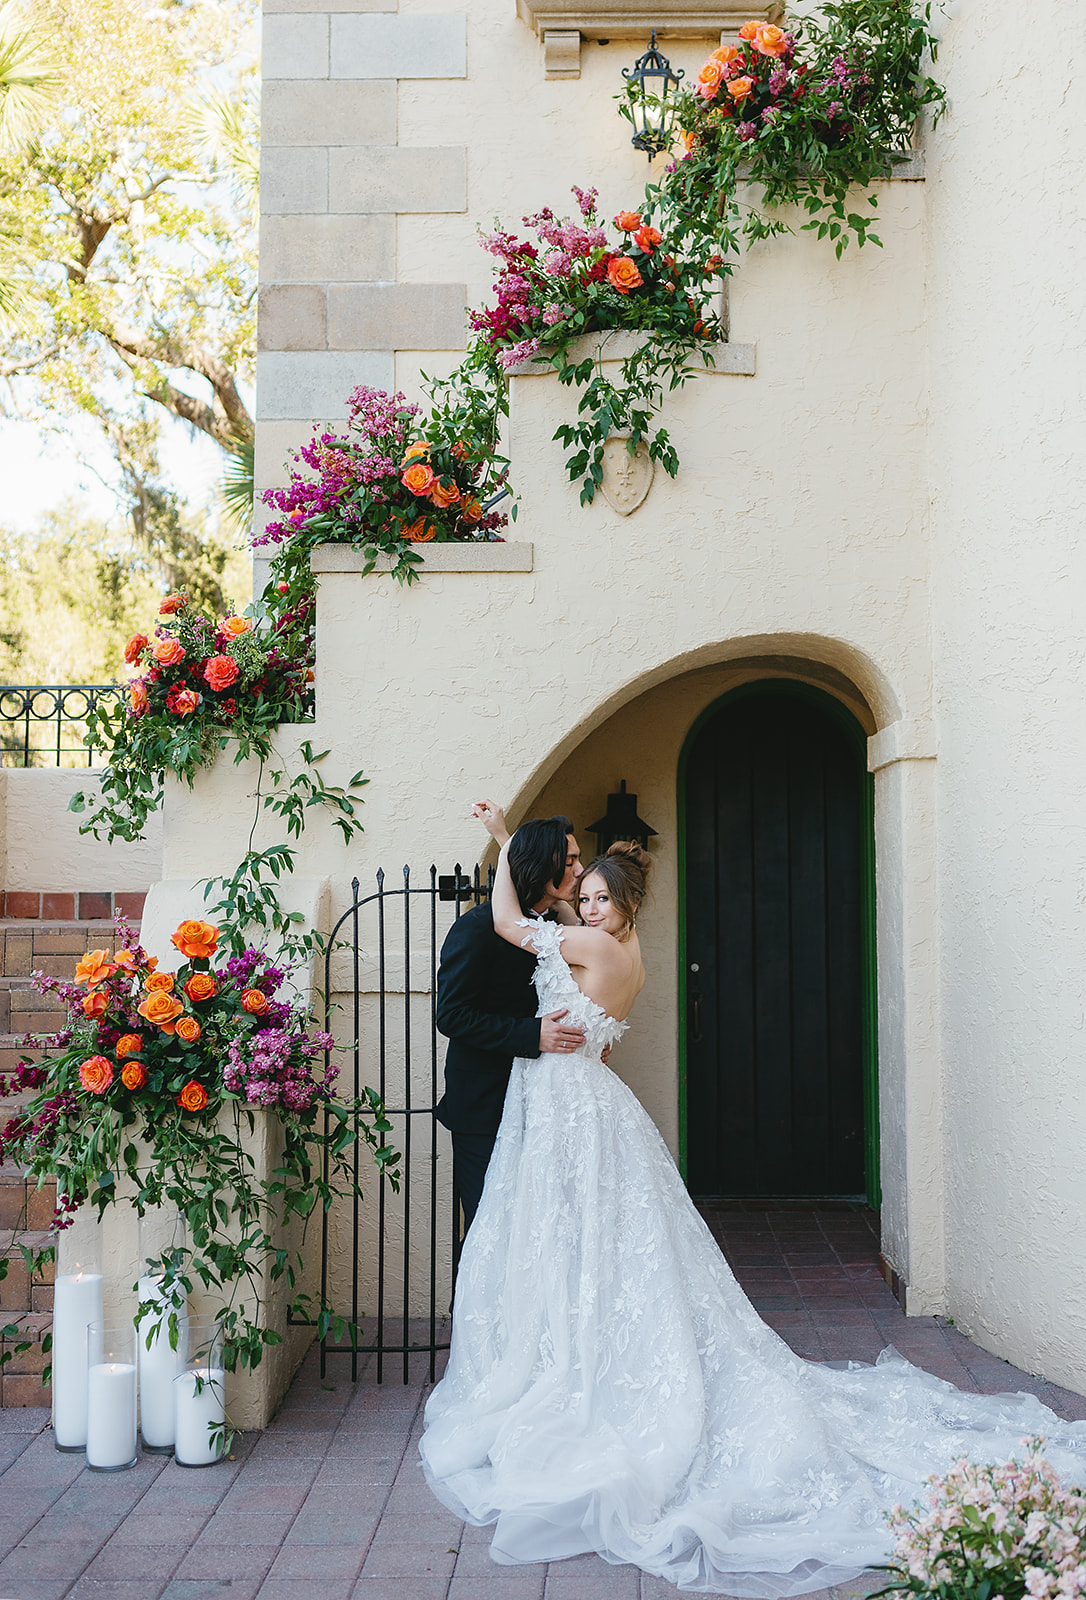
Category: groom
[486,1003]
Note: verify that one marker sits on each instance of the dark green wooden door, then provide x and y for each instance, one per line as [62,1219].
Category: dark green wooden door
[777,885]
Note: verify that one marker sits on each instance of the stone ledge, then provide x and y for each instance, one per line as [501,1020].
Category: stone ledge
[436,558]
[906,169]
[728,359]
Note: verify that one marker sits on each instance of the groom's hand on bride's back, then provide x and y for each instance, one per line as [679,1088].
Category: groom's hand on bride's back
[557,1036]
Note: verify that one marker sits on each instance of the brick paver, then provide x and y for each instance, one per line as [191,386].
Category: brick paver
[329,1502]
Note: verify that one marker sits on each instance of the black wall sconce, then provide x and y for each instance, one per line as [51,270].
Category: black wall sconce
[621,822]
[650,89]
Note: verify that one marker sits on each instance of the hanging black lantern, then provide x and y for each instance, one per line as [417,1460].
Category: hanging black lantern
[621,822]
[651,86]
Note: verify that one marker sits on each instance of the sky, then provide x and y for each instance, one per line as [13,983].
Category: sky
[40,470]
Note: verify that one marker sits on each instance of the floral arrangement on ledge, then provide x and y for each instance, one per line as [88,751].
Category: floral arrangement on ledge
[806,113]
[387,485]
[199,683]
[176,1060]
[1007,1532]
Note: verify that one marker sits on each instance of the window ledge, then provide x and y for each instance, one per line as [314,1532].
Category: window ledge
[735,359]
[435,558]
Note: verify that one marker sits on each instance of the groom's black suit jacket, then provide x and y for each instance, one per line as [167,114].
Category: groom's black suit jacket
[486,1009]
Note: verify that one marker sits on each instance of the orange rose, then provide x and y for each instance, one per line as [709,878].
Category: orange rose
[749,29]
[133,1074]
[419,533]
[256,1001]
[419,478]
[709,79]
[623,275]
[628,221]
[128,1044]
[95,1004]
[183,701]
[196,940]
[94,968]
[96,1074]
[220,672]
[161,1009]
[169,652]
[159,980]
[137,695]
[769,41]
[188,1029]
[193,1096]
[126,959]
[444,494]
[726,55]
[647,238]
[201,986]
[234,627]
[137,643]
[419,448]
[471,510]
[739,88]
[689,138]
[172,604]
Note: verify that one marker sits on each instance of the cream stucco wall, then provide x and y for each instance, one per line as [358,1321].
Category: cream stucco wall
[1008,583]
[895,494]
[41,846]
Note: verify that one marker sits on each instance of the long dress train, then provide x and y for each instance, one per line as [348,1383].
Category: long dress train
[611,1389]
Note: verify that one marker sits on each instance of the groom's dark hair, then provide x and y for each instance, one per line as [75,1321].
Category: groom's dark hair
[537,858]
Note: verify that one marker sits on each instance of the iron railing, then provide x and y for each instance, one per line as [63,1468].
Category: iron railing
[388,1263]
[42,723]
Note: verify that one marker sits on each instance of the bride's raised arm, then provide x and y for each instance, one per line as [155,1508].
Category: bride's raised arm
[508,916]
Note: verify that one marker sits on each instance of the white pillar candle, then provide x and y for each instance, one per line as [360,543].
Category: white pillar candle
[77,1302]
[159,1363]
[111,1415]
[197,1414]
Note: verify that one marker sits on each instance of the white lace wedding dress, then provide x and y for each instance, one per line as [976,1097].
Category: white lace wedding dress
[611,1389]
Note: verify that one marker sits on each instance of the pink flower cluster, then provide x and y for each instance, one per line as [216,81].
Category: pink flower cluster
[1013,1528]
[274,1068]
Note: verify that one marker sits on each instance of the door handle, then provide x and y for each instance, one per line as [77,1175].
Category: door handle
[695,1000]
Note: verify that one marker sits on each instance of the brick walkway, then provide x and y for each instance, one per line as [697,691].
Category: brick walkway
[329,1504]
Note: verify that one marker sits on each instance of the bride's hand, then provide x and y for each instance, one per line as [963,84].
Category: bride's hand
[492,818]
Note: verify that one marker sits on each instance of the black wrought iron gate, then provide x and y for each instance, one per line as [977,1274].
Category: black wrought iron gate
[388,1260]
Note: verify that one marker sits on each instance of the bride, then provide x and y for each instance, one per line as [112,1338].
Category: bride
[609,1387]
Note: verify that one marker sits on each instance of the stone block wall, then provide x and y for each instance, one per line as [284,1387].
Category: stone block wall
[334,181]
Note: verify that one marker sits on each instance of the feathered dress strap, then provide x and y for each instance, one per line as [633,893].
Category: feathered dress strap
[544,936]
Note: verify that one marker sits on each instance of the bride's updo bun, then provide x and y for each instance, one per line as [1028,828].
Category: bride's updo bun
[625,869]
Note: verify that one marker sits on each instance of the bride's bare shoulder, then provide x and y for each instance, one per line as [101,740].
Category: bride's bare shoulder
[581,945]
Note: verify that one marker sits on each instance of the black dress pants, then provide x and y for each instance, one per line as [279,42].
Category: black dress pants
[471,1157]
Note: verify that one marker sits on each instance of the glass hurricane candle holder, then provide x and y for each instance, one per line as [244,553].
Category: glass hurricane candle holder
[200,1401]
[111,1396]
[77,1303]
[162,1325]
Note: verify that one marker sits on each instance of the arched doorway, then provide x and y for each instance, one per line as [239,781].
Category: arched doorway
[777,1011]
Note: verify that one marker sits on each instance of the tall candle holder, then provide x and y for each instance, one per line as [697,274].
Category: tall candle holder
[77,1303]
[163,1327]
[111,1396]
[200,1395]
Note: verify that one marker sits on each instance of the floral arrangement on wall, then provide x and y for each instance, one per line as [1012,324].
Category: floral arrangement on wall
[389,483]
[198,682]
[154,1078]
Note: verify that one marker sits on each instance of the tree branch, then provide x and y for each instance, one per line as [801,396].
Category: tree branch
[225,427]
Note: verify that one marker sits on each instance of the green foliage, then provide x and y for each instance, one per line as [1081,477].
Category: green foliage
[130,199]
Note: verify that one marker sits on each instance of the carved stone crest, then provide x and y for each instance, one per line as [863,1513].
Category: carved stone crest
[627,478]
